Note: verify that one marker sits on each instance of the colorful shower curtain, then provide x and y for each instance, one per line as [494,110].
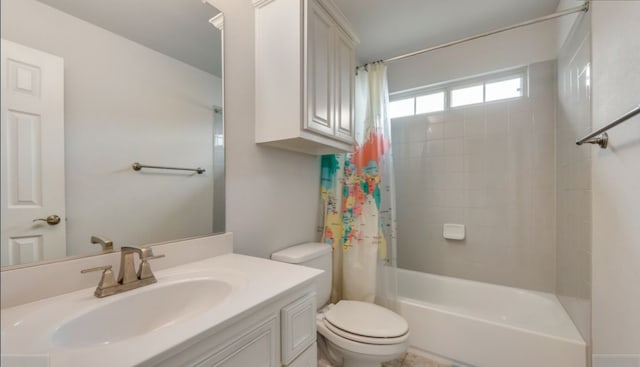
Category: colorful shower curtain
[358,196]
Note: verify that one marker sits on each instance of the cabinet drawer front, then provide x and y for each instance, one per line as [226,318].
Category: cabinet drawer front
[298,327]
[257,347]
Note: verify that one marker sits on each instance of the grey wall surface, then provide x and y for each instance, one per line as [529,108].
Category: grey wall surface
[517,47]
[272,195]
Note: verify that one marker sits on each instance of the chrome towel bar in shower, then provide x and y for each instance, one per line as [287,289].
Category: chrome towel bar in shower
[600,137]
[137,167]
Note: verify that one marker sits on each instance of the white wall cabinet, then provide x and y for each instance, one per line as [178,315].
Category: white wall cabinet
[305,76]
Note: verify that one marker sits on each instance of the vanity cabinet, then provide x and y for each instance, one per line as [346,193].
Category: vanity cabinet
[305,76]
[282,333]
[254,347]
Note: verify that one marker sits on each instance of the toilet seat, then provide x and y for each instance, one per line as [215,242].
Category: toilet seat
[366,319]
[364,339]
[364,322]
[366,350]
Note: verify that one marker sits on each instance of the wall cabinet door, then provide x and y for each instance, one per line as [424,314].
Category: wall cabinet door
[320,47]
[344,87]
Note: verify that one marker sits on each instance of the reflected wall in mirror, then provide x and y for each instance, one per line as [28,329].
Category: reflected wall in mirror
[88,88]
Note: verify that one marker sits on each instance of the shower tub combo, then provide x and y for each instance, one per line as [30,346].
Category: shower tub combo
[482,324]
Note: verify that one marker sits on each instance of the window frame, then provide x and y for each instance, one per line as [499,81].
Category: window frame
[523,86]
[465,86]
[521,73]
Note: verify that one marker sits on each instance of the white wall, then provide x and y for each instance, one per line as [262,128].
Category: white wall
[125,103]
[616,184]
[272,195]
[565,23]
[573,177]
[517,47]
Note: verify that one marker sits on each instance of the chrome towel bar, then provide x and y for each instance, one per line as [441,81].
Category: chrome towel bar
[600,137]
[137,167]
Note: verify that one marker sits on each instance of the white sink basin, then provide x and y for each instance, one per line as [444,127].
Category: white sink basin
[140,313]
[139,327]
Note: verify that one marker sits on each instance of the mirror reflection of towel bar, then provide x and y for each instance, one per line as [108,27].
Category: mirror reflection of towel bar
[137,167]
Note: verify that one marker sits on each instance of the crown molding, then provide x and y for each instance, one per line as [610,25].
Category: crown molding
[333,10]
[218,21]
[260,3]
[337,14]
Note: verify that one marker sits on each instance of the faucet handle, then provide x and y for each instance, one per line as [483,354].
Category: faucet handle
[144,272]
[97,268]
[107,280]
[146,253]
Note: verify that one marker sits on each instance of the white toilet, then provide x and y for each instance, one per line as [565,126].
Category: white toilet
[362,334]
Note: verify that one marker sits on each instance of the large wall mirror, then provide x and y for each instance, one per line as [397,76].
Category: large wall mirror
[90,87]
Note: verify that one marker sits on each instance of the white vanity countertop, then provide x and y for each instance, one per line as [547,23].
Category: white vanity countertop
[28,329]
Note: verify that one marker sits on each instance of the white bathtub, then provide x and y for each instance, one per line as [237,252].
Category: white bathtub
[487,325]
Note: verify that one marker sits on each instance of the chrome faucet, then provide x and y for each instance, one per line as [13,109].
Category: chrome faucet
[128,277]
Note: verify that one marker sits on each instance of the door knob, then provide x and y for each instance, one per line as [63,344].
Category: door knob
[51,220]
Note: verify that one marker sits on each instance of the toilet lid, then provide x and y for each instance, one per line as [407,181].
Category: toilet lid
[364,339]
[366,319]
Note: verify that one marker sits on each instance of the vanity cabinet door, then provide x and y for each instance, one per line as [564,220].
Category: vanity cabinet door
[298,327]
[257,347]
[307,359]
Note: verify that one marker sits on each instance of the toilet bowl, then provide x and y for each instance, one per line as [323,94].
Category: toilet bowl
[362,334]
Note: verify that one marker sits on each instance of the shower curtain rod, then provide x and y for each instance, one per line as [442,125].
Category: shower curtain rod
[583,7]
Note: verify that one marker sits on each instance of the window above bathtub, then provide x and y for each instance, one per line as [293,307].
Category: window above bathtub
[499,86]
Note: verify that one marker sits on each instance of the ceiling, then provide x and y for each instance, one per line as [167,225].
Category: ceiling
[177,28]
[389,28]
[386,28]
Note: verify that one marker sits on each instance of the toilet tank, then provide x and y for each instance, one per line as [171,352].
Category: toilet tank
[315,255]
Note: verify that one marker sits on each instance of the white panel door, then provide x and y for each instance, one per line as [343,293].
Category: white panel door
[32,155]
[320,45]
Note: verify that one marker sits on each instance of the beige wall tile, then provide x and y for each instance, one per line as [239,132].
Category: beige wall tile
[492,176]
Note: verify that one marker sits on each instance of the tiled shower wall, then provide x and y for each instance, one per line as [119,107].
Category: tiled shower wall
[573,172]
[490,167]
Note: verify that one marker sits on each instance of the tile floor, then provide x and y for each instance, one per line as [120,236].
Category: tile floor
[413,360]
